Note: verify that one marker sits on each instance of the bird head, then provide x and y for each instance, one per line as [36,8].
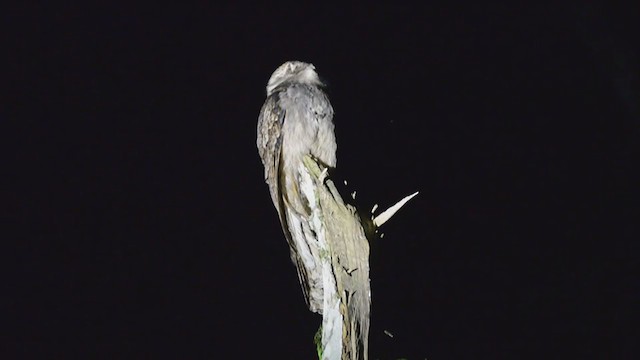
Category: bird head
[293,72]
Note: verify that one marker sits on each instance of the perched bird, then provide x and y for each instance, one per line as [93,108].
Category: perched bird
[296,120]
[327,238]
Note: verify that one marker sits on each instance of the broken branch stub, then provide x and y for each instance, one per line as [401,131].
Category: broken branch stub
[387,214]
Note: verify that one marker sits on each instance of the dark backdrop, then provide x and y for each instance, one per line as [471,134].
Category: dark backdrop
[138,225]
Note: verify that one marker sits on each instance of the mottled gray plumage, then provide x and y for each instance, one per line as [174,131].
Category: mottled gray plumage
[296,120]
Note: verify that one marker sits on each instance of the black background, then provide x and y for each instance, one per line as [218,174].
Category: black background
[138,224]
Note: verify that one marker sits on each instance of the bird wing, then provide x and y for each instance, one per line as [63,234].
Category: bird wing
[269,142]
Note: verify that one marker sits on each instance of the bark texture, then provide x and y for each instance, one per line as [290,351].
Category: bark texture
[345,265]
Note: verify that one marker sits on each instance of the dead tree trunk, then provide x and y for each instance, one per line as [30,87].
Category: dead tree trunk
[345,266]
[344,259]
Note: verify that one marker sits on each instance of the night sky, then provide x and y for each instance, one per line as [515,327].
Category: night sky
[136,222]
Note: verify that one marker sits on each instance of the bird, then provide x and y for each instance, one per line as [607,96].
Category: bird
[295,121]
[297,145]
[327,238]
